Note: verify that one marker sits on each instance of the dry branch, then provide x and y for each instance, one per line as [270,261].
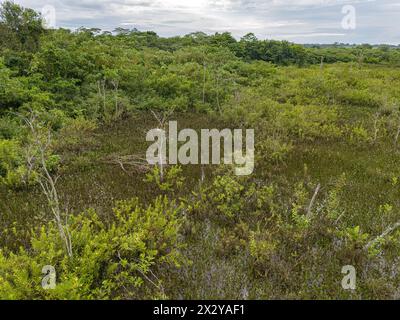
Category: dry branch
[137,163]
[388,231]
[313,200]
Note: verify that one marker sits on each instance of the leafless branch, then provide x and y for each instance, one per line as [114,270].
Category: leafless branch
[388,231]
[313,200]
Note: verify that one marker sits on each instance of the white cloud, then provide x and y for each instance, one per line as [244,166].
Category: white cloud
[297,20]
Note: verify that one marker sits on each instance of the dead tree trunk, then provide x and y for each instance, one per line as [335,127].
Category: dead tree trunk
[40,146]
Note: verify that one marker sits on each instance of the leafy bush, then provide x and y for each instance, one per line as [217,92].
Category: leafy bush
[308,122]
[13,171]
[114,260]
[76,134]
[360,98]
[227,195]
[9,128]
[169,180]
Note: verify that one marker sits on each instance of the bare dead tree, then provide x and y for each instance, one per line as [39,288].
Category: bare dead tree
[204,81]
[376,126]
[115,84]
[162,119]
[217,93]
[36,157]
[101,88]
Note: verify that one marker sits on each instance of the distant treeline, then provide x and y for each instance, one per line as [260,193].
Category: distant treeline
[21,32]
[249,47]
[100,75]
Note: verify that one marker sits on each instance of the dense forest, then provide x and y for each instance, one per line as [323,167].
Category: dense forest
[75,193]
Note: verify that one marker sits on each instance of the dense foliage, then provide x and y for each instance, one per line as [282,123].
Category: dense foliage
[76,106]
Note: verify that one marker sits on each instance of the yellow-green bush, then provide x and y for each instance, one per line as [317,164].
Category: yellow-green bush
[119,259]
[12,169]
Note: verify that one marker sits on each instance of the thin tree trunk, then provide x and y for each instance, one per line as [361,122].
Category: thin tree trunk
[313,200]
[376,128]
[397,136]
[204,83]
[218,104]
[48,185]
[115,84]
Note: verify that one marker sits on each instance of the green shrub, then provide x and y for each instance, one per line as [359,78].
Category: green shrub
[360,98]
[170,180]
[359,134]
[226,195]
[273,150]
[309,122]
[120,259]
[9,128]
[13,172]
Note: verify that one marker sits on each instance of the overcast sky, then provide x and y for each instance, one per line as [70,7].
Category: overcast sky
[301,21]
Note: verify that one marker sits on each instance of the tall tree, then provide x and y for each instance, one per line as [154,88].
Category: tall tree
[23,26]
